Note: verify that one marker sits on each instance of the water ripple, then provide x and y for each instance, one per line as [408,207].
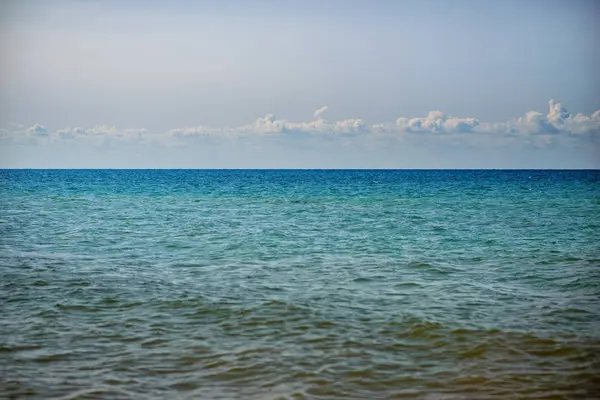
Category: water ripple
[299,285]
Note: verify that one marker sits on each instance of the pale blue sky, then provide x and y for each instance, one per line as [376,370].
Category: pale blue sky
[167,66]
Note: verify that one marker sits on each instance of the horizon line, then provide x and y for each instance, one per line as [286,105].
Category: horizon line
[297,169]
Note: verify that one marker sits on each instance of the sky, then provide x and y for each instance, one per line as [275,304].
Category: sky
[299,84]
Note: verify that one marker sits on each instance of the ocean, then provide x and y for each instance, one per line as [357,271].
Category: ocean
[299,284]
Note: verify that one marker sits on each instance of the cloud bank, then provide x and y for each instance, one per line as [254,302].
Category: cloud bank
[558,122]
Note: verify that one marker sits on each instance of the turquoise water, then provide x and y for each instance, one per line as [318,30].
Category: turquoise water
[299,284]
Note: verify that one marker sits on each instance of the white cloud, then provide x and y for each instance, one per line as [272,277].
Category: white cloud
[37,130]
[558,122]
[269,125]
[319,113]
[38,134]
[187,132]
[437,122]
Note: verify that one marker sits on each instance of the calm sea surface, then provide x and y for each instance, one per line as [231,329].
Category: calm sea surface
[240,284]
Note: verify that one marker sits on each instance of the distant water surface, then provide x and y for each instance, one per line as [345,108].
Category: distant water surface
[244,284]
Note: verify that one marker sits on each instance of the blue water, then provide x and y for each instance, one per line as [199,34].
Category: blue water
[287,284]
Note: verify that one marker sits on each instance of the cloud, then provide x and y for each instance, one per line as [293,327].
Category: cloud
[556,123]
[319,113]
[182,133]
[38,134]
[437,122]
[270,125]
[558,120]
[37,130]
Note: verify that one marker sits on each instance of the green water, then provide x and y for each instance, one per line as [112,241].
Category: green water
[299,284]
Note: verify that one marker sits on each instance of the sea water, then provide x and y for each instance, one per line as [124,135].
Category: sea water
[299,284]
